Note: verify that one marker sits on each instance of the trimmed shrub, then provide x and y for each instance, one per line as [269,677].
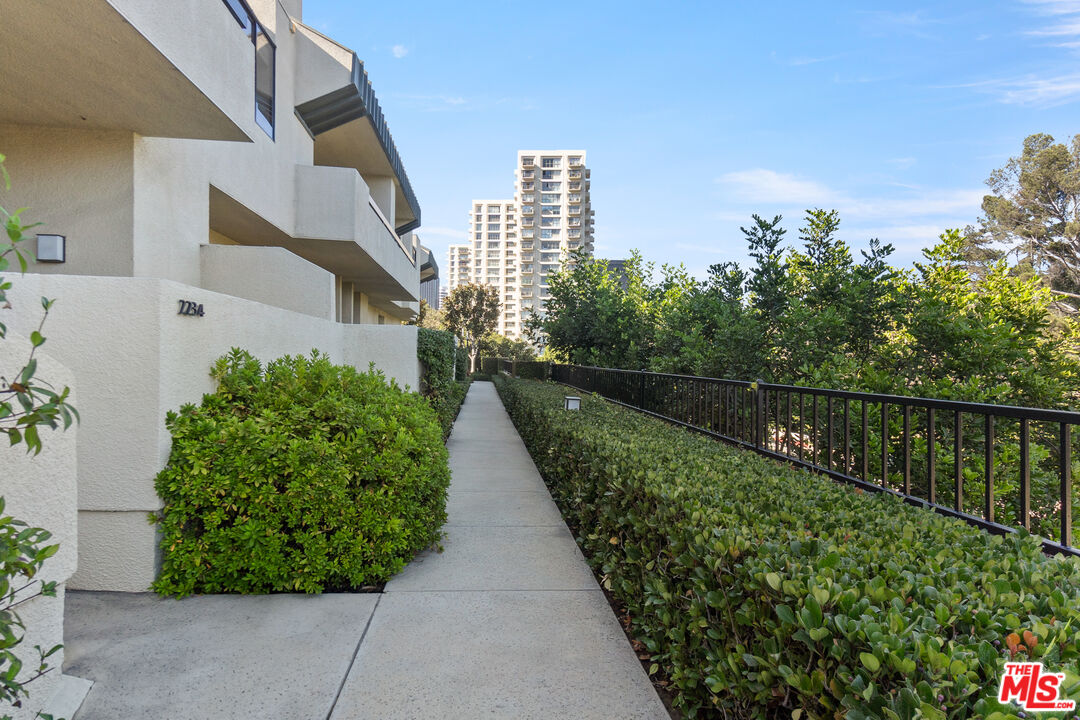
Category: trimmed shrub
[536,370]
[436,351]
[304,476]
[763,591]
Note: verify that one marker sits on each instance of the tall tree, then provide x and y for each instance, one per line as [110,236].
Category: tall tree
[596,316]
[428,317]
[470,312]
[1035,210]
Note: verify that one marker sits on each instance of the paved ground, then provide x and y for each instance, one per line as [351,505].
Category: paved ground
[506,622]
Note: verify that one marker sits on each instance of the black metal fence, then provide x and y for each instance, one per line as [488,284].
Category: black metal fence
[995,466]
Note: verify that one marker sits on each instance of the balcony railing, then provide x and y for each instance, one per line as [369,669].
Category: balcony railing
[998,467]
[409,253]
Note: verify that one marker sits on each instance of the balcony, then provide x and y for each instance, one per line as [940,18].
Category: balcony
[336,103]
[574,211]
[341,228]
[179,69]
[575,174]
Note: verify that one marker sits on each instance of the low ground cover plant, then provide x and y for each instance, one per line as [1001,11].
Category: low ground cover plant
[440,359]
[767,592]
[300,476]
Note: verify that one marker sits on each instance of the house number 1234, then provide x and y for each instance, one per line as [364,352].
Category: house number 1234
[189,308]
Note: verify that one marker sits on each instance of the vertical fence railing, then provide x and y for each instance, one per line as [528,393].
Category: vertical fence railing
[998,467]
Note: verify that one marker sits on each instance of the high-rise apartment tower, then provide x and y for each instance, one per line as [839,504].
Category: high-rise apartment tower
[515,245]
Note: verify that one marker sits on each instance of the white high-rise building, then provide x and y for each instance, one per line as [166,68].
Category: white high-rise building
[515,245]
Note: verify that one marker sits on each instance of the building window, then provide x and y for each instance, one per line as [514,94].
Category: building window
[549,222]
[549,162]
[549,234]
[550,186]
[527,160]
[264,80]
[493,226]
[549,174]
[493,236]
[550,210]
[243,15]
[550,198]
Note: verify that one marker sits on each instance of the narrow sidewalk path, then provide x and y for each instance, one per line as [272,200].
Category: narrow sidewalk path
[506,622]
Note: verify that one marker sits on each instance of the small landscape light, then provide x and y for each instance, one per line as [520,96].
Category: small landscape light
[571,402]
[51,248]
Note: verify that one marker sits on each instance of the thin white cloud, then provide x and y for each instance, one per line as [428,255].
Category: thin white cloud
[1030,90]
[768,186]
[903,163]
[1064,21]
[909,217]
[399,51]
[1055,7]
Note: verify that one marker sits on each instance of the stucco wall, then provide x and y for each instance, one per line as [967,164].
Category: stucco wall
[40,490]
[77,183]
[246,272]
[134,358]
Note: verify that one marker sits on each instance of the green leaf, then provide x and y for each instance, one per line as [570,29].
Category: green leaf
[870,662]
[785,614]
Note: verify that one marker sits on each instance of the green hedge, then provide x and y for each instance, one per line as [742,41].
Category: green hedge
[301,477]
[437,352]
[762,591]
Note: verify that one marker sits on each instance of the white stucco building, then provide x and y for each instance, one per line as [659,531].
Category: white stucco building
[220,175]
[515,244]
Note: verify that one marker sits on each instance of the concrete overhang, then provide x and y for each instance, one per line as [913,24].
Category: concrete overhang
[337,229]
[85,64]
[337,104]
[429,269]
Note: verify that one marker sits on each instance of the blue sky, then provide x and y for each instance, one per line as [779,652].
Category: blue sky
[695,115]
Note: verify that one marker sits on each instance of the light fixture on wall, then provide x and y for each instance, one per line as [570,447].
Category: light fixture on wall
[571,402]
[51,248]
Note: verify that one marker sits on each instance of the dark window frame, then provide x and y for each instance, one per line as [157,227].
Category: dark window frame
[243,15]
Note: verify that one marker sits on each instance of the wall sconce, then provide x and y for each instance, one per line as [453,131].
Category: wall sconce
[571,402]
[51,248]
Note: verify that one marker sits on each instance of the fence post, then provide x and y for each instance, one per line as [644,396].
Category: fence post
[641,390]
[759,405]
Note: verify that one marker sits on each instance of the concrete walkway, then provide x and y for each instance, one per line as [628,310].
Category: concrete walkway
[506,622]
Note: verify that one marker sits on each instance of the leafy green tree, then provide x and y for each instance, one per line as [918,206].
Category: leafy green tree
[768,283]
[712,332]
[471,311]
[594,316]
[1035,210]
[428,317]
[500,346]
[988,340]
